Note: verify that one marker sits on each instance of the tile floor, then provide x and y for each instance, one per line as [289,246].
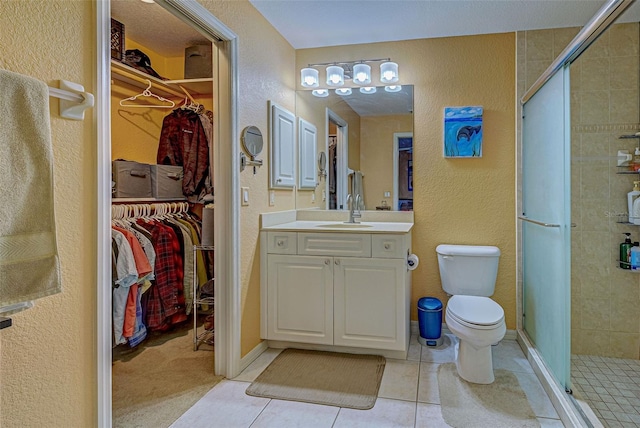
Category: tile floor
[611,387]
[408,396]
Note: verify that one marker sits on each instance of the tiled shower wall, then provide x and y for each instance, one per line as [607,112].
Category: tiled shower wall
[605,302]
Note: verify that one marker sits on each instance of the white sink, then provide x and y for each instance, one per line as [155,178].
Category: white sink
[344,225]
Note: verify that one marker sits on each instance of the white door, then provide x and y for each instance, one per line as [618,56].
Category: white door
[369,306]
[300,298]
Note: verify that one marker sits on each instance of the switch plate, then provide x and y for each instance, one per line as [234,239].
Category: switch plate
[272,198]
[387,194]
[313,197]
[244,196]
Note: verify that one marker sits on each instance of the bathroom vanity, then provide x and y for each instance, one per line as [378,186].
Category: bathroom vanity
[328,284]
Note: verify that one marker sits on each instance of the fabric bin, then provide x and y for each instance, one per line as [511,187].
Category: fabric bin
[166,181]
[132,179]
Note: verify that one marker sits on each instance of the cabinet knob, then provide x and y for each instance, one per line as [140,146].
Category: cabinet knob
[387,246]
[327,261]
[337,262]
[280,243]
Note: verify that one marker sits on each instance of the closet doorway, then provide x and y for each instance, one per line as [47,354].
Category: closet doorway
[337,147]
[223,162]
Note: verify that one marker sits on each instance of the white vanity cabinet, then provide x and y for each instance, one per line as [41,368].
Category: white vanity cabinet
[336,288]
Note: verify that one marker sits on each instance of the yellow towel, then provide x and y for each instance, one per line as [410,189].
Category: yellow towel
[29,265]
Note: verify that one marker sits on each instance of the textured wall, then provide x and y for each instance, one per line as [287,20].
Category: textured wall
[266,70]
[47,360]
[456,201]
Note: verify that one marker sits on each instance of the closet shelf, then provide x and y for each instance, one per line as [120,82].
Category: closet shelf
[165,88]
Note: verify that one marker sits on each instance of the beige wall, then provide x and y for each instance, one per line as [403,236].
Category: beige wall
[48,358]
[604,105]
[376,155]
[456,201]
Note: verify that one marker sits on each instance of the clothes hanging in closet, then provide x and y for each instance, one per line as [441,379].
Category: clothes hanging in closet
[153,274]
[184,141]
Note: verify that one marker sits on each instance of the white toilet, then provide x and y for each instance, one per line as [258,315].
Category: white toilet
[468,274]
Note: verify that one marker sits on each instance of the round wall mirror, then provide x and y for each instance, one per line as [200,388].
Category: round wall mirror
[252,141]
[322,162]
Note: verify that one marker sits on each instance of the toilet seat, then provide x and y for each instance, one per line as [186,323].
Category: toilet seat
[477,312]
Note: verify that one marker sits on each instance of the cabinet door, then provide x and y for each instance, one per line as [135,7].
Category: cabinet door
[300,299]
[370,310]
[283,148]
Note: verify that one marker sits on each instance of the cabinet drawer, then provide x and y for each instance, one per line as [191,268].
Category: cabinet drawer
[335,244]
[281,243]
[388,246]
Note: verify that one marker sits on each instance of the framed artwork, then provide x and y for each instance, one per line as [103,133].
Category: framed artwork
[463,132]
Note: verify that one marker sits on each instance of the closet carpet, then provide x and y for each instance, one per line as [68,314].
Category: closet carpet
[154,384]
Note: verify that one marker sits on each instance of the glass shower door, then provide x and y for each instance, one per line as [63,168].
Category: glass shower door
[546,224]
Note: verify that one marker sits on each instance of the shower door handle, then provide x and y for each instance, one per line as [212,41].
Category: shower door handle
[539,223]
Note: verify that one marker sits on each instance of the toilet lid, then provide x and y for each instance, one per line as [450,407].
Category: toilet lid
[476,310]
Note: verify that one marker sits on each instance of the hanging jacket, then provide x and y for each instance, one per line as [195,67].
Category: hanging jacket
[183,142]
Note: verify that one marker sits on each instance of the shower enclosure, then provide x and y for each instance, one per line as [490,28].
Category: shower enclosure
[578,310]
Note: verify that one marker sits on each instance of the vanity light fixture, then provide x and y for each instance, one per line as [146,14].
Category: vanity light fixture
[361,74]
[358,71]
[343,91]
[393,88]
[321,93]
[335,75]
[368,90]
[389,72]
[309,78]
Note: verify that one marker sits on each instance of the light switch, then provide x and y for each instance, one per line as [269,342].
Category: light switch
[272,198]
[387,194]
[313,197]
[245,196]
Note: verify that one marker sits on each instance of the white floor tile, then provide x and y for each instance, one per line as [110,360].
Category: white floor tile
[429,415]
[400,380]
[385,414]
[538,399]
[256,367]
[444,353]
[225,405]
[415,349]
[291,414]
[428,391]
[508,355]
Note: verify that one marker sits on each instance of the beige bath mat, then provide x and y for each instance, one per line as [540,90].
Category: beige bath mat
[501,404]
[330,378]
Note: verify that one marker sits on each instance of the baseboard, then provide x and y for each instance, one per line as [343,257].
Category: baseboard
[253,354]
[399,355]
[415,329]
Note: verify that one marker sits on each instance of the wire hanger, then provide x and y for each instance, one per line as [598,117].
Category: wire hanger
[147,93]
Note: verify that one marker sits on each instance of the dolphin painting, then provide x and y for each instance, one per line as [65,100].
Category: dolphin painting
[467,132]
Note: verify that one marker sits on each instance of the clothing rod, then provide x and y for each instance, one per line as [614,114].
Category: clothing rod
[65,95]
[589,33]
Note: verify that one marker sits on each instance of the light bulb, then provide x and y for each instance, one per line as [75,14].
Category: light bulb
[309,78]
[343,91]
[393,88]
[320,93]
[335,75]
[361,74]
[368,90]
[388,72]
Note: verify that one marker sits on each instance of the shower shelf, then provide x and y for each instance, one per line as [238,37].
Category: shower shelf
[629,264]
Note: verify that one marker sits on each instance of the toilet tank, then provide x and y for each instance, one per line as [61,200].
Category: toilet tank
[468,269]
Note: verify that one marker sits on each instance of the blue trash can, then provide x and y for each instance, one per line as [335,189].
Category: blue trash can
[430,321]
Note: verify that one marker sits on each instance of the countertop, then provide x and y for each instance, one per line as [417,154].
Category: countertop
[341,227]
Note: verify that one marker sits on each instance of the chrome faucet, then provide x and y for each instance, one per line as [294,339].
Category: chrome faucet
[354,208]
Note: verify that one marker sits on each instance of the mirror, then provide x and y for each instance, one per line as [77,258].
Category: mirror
[368,137]
[252,141]
[322,165]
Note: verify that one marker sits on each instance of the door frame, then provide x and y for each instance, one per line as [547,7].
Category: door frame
[342,152]
[226,178]
[396,167]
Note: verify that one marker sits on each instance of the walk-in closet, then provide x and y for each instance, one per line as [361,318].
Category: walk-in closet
[163,275]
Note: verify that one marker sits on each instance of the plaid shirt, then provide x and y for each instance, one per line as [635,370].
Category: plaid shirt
[165,303]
